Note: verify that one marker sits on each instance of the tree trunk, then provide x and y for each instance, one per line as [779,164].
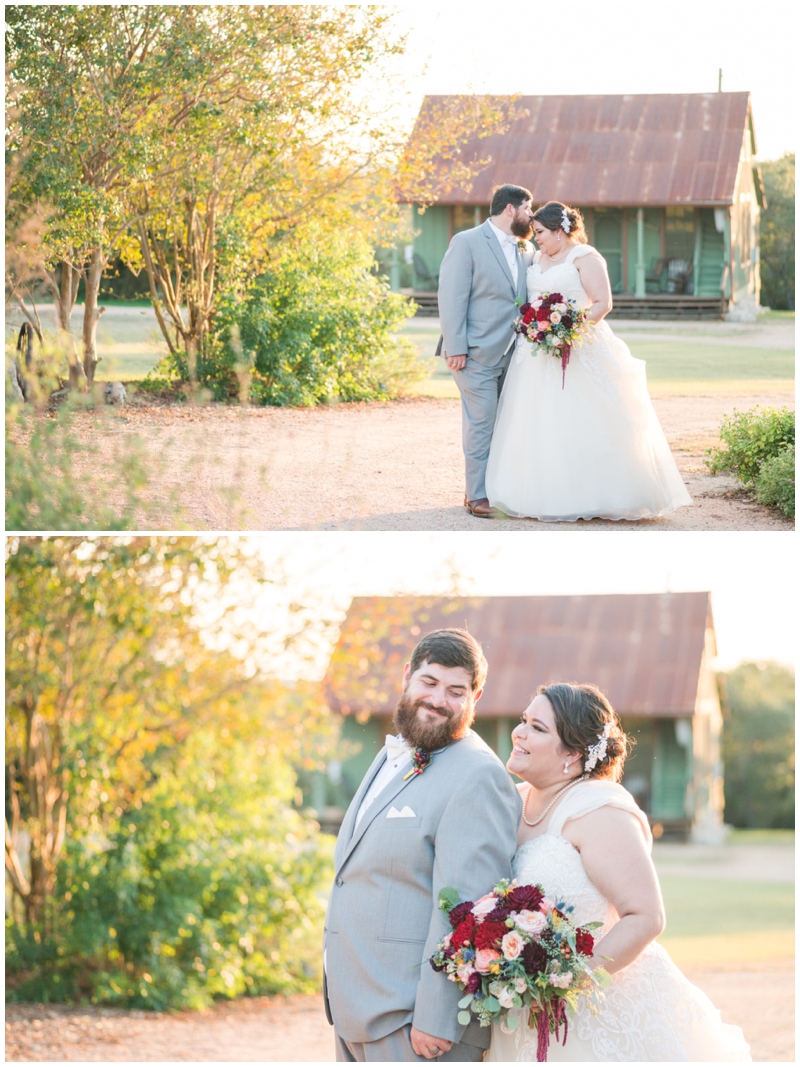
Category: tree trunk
[91,314]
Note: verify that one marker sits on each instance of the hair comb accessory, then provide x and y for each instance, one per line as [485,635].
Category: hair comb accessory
[597,753]
[566,226]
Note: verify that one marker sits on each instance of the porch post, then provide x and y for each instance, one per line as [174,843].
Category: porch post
[698,251]
[394,271]
[640,271]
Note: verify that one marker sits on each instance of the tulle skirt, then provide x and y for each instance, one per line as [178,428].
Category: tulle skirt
[594,449]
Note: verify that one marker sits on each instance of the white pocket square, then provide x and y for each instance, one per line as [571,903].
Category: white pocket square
[406,813]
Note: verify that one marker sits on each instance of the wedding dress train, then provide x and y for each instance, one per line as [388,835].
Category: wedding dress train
[594,449]
[650,1012]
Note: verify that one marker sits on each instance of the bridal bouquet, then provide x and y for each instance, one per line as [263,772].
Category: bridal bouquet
[554,324]
[515,949]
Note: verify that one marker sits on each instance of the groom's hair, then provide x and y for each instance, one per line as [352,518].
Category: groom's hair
[504,195]
[452,648]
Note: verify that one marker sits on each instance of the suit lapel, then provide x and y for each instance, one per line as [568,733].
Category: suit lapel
[393,789]
[349,822]
[497,252]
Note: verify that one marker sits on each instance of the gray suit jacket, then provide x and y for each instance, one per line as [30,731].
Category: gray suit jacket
[477,296]
[383,921]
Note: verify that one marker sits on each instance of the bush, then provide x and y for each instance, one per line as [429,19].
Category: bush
[211,888]
[751,438]
[43,492]
[315,326]
[775,482]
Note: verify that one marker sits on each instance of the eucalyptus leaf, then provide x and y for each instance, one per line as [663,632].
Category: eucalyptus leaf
[466,1001]
[464,1018]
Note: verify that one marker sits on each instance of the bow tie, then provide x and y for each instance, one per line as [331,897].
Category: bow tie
[396,747]
[511,240]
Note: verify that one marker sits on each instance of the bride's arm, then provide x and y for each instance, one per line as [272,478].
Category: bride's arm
[594,279]
[616,858]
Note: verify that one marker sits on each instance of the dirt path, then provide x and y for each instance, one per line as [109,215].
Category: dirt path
[393,466]
[295,1030]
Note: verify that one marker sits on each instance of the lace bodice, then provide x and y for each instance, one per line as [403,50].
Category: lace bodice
[552,862]
[560,277]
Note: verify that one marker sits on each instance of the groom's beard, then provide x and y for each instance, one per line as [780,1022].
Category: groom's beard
[420,735]
[521,228]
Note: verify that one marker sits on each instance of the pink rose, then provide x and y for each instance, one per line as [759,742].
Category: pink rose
[547,905]
[532,922]
[484,957]
[555,317]
[484,905]
[512,945]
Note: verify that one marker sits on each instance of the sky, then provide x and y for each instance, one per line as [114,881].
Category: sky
[750,577]
[614,47]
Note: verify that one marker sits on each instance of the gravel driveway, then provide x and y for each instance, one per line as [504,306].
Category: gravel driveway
[392,466]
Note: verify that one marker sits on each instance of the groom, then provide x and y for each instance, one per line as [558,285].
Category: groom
[436,809]
[481,277]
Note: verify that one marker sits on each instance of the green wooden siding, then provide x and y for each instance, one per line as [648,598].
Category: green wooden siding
[709,255]
[607,228]
[433,237]
[653,217]
[671,772]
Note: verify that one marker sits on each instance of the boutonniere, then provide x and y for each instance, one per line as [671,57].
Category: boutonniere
[420,759]
[522,245]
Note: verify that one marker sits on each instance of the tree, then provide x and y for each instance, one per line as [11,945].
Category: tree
[758,746]
[151,765]
[777,234]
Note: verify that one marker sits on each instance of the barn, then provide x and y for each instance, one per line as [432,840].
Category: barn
[650,653]
[667,183]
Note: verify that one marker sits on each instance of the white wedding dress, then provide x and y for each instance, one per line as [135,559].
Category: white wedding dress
[594,449]
[650,1012]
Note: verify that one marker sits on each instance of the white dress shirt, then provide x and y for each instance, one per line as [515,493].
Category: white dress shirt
[382,779]
[508,243]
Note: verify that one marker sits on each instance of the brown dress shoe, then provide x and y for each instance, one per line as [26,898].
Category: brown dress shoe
[482,509]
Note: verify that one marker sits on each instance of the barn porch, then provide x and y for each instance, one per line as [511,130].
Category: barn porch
[668,186]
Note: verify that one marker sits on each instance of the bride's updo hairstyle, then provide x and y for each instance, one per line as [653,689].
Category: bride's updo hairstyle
[551,217]
[581,713]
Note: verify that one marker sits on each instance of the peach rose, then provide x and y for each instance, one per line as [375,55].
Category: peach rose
[532,922]
[484,958]
[512,945]
[555,317]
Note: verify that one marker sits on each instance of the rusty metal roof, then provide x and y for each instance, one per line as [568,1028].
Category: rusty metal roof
[656,149]
[643,650]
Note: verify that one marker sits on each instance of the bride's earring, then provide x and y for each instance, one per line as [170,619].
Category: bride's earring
[559,237]
[566,766]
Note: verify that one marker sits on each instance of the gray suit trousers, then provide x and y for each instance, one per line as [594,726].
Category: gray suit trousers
[396,1048]
[480,390]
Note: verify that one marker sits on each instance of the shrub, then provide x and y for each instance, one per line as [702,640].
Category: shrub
[751,438]
[775,482]
[211,888]
[316,325]
[43,491]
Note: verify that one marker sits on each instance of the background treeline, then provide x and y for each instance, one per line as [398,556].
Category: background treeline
[758,746]
[239,161]
[777,234]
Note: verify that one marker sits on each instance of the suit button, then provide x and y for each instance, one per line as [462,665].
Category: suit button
[340,881]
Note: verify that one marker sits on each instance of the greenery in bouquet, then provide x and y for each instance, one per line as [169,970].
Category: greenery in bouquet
[515,951]
[554,324]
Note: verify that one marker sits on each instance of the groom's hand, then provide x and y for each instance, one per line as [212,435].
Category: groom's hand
[456,362]
[424,1044]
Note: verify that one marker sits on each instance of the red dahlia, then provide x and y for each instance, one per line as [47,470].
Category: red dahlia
[462,935]
[460,912]
[524,898]
[490,934]
[584,942]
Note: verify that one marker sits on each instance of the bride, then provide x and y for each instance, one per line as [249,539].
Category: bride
[585,841]
[594,449]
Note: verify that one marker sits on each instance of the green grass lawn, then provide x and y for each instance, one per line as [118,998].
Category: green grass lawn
[679,365]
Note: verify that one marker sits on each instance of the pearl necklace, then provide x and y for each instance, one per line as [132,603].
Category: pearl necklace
[536,822]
